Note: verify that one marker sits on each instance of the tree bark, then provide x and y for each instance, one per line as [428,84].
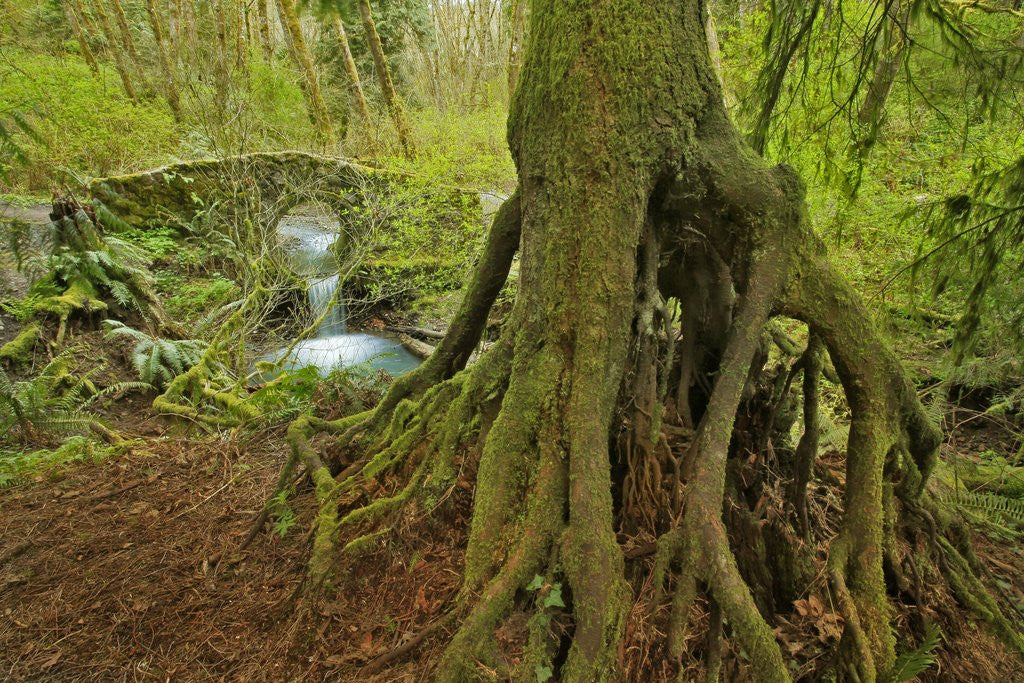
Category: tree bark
[304,61]
[394,103]
[167,65]
[352,71]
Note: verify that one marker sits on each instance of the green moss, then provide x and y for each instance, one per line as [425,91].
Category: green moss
[80,295]
[18,351]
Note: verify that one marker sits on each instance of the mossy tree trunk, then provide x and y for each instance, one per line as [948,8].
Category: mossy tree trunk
[115,49]
[304,61]
[352,71]
[263,28]
[75,21]
[515,43]
[167,64]
[380,61]
[127,41]
[635,191]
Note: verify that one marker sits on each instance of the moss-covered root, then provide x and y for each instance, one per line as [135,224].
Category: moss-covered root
[887,420]
[18,351]
[702,521]
[466,327]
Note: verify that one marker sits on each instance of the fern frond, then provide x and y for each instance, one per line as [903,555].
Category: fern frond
[911,664]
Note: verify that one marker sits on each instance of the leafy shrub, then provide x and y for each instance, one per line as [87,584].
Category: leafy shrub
[88,124]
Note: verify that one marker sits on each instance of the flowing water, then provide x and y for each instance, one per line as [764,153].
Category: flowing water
[308,240]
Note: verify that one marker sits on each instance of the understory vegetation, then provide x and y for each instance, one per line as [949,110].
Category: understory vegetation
[715,375]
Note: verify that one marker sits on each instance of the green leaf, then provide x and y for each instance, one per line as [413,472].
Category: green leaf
[544,673]
[536,584]
[554,598]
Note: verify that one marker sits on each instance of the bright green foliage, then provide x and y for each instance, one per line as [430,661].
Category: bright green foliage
[15,132]
[158,361]
[17,467]
[86,123]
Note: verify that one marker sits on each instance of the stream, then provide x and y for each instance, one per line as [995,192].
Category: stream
[308,239]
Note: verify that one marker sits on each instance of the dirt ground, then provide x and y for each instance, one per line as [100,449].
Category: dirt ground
[127,571]
[111,573]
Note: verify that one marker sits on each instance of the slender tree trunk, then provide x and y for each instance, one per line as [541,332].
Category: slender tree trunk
[79,30]
[394,103]
[715,50]
[240,24]
[872,109]
[174,30]
[304,61]
[222,70]
[119,58]
[167,66]
[515,44]
[352,71]
[263,21]
[126,36]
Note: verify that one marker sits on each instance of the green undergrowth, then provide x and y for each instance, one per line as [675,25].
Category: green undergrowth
[21,466]
[84,122]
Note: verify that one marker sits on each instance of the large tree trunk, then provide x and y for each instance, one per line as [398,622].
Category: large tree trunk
[634,190]
[387,86]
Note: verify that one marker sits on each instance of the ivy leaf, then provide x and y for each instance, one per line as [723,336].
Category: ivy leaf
[544,673]
[536,584]
[554,598]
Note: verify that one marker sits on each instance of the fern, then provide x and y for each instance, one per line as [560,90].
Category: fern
[992,505]
[911,664]
[54,402]
[158,361]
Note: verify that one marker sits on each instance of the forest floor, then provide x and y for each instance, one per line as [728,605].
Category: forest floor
[127,570]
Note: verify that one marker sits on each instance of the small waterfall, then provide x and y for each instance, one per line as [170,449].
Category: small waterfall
[309,239]
[322,293]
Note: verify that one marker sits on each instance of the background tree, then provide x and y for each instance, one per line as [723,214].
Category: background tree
[391,98]
[304,61]
[120,60]
[352,70]
[167,65]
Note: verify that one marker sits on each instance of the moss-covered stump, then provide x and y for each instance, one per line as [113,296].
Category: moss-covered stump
[19,350]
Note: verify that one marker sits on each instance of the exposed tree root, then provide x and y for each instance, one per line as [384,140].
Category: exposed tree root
[588,356]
